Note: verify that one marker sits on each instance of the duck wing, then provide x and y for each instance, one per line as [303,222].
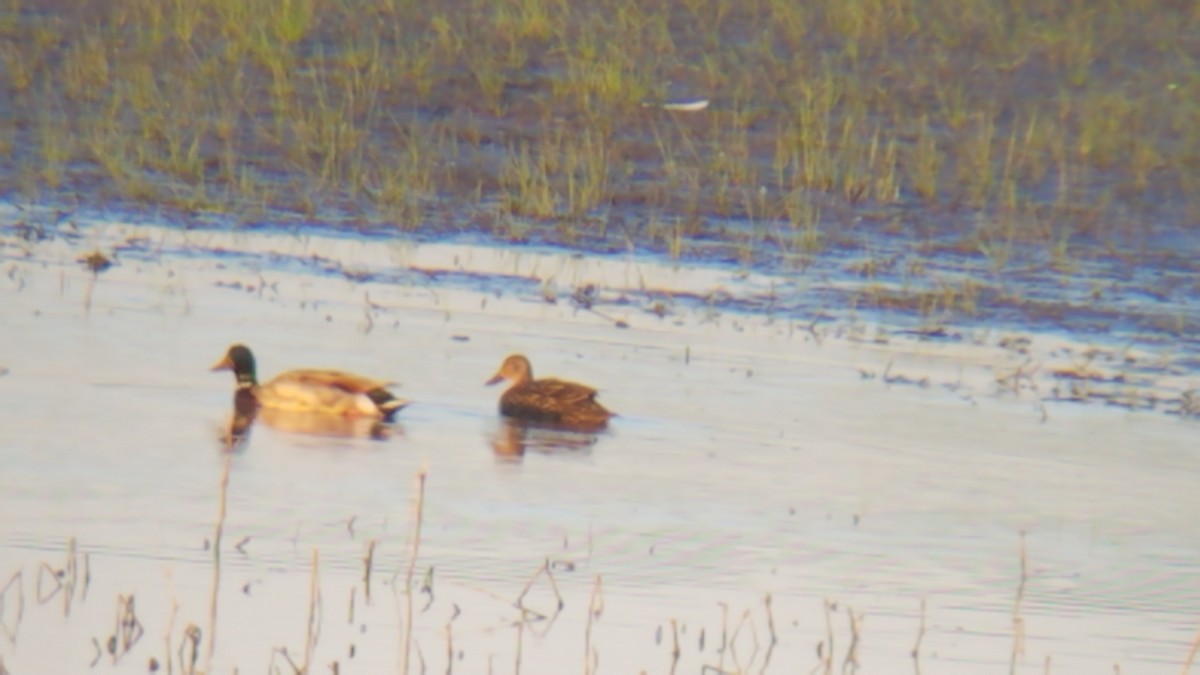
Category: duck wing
[330,392]
[569,394]
[551,401]
[336,379]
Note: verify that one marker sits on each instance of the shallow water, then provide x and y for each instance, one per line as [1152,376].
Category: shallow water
[754,456]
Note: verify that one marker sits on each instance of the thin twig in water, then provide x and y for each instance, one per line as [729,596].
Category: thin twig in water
[747,617]
[418,516]
[770,618]
[916,650]
[128,630]
[17,580]
[675,644]
[218,531]
[367,569]
[520,643]
[591,658]
[87,296]
[169,631]
[55,575]
[724,635]
[191,638]
[774,638]
[519,602]
[1018,649]
[87,576]
[427,588]
[369,322]
[282,651]
[71,577]
[829,636]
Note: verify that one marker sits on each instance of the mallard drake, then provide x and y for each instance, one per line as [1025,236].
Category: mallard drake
[307,390]
[568,404]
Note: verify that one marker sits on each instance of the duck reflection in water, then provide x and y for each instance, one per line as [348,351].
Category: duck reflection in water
[237,430]
[513,437]
[247,411]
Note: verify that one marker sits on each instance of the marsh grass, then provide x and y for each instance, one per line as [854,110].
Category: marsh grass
[745,640]
[386,113]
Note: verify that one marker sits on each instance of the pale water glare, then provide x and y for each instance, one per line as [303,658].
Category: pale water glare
[753,458]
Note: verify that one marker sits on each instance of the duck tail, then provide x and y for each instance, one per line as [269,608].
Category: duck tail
[387,403]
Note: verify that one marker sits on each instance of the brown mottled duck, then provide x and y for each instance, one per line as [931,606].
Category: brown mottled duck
[567,404]
[309,390]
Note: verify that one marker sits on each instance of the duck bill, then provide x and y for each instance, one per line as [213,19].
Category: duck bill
[496,379]
[225,363]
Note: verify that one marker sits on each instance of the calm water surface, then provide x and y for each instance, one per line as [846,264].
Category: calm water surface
[750,459]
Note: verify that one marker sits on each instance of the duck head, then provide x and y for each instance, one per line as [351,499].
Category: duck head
[516,369]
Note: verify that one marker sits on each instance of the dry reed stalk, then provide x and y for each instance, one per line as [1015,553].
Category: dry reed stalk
[418,516]
[851,660]
[1187,664]
[169,660]
[367,562]
[314,602]
[218,531]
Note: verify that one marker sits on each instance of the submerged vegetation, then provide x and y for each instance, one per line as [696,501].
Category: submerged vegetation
[1009,132]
